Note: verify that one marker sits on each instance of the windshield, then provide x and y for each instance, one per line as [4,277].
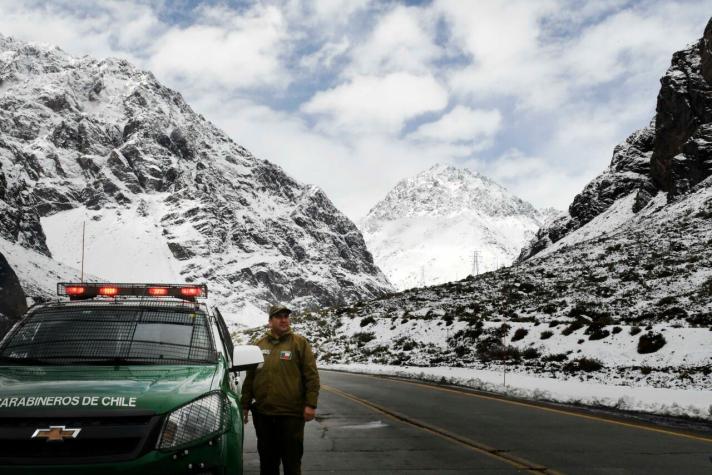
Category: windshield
[110,334]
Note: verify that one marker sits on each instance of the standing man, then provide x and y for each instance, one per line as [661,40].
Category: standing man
[285,390]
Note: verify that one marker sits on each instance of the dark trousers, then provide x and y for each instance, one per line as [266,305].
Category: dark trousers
[279,439]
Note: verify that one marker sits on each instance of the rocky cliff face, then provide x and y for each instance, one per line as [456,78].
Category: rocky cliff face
[682,156]
[12,298]
[428,228]
[108,139]
[671,155]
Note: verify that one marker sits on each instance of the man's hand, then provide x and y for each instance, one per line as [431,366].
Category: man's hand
[246,415]
[309,413]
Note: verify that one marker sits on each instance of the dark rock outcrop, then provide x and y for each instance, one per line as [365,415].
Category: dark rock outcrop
[683,125]
[12,298]
[671,155]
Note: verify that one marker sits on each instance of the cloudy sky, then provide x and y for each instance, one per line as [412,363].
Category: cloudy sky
[354,95]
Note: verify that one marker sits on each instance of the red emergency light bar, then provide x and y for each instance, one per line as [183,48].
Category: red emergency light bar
[158,291]
[108,291]
[73,291]
[90,290]
[191,291]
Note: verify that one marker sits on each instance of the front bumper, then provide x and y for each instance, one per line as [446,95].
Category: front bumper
[205,459]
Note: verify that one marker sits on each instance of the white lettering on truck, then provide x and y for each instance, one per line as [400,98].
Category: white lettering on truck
[66,401]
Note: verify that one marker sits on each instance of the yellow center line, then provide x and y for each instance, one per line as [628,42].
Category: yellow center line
[466,393]
[517,462]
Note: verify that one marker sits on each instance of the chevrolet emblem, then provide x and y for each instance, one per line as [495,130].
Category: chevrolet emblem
[56,433]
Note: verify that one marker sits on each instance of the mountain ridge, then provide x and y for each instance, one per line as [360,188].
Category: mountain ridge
[448,175]
[102,135]
[429,226]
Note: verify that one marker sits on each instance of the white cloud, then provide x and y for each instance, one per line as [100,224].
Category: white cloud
[402,41]
[368,104]
[95,31]
[497,31]
[354,173]
[230,50]
[501,39]
[318,22]
[139,26]
[462,124]
[569,80]
[325,56]
[325,12]
[534,179]
[545,53]
[222,47]
[627,43]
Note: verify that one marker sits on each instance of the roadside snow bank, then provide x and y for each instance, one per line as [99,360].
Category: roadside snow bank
[664,401]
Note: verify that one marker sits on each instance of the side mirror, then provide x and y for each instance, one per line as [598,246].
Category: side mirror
[246,357]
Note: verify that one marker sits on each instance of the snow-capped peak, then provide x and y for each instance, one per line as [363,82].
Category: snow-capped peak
[446,223]
[445,190]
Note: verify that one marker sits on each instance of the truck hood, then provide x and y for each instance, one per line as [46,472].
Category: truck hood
[159,388]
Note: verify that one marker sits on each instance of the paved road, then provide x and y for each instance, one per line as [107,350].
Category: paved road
[377,425]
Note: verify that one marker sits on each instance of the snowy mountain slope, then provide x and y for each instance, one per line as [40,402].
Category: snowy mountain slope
[427,229]
[619,215]
[111,236]
[671,155]
[619,291]
[594,299]
[103,139]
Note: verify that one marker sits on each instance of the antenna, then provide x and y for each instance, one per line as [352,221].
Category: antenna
[84,226]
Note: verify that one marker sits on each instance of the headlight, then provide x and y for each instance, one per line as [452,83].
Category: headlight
[199,419]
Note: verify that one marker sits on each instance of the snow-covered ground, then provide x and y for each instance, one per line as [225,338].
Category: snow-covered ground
[121,245]
[684,346]
[665,401]
[681,363]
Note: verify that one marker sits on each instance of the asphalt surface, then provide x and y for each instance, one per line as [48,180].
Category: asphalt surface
[375,425]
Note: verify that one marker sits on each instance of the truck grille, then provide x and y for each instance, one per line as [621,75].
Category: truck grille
[103,438]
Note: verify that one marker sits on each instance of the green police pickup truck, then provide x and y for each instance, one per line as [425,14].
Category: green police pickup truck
[139,379]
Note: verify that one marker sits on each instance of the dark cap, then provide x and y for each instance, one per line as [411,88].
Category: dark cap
[277,309]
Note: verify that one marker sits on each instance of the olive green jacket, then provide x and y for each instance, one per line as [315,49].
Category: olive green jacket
[287,381]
